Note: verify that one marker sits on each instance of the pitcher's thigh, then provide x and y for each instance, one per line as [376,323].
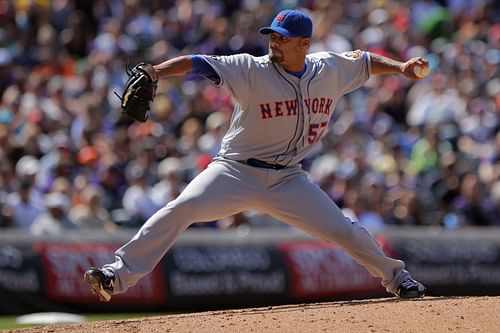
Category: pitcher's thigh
[300,203]
[216,192]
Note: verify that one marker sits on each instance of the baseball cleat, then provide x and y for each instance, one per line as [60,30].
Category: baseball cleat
[102,284]
[410,288]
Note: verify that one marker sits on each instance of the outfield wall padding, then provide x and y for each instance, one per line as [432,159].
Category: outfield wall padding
[213,269]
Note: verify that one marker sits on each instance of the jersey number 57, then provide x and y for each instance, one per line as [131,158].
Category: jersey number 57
[316,131]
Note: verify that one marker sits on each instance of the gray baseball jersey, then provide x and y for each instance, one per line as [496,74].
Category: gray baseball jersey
[278,118]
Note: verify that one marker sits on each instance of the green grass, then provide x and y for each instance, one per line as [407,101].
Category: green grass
[9,322]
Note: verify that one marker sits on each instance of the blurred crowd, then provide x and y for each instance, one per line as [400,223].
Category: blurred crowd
[399,152]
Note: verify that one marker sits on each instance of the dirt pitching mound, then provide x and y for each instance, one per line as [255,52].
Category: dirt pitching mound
[430,314]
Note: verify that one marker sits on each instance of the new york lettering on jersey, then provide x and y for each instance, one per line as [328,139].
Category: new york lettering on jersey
[319,105]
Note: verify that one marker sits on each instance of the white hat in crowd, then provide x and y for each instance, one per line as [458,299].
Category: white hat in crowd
[57,200]
[27,166]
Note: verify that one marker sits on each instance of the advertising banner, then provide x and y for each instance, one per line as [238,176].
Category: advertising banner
[319,270]
[20,269]
[232,272]
[215,271]
[453,266]
[65,263]
[22,284]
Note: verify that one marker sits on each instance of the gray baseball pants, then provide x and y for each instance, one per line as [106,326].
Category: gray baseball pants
[227,187]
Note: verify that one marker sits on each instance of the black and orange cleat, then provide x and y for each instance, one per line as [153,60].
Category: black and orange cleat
[102,283]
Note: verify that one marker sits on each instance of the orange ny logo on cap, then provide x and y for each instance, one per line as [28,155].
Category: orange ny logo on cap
[280,18]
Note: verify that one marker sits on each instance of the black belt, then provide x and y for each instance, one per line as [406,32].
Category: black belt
[261,164]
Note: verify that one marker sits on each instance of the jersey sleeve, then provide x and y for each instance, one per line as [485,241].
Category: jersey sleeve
[202,68]
[233,71]
[352,69]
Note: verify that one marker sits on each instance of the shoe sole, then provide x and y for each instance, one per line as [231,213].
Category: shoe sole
[97,288]
[413,294]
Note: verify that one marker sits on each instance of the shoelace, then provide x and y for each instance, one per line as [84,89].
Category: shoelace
[409,283]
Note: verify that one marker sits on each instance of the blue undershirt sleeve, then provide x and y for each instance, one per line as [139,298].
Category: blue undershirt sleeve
[202,68]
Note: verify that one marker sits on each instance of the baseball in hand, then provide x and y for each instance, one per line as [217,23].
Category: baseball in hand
[421,71]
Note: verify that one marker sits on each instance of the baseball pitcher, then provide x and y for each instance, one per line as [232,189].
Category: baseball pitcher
[283,104]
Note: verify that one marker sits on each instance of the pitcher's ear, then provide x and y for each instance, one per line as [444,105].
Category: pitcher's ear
[306,42]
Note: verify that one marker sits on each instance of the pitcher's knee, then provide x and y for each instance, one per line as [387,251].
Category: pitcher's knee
[179,207]
[351,233]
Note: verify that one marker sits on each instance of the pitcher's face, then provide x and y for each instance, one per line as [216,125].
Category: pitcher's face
[288,52]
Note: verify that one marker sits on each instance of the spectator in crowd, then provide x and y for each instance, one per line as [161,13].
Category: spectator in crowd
[111,178]
[55,220]
[138,201]
[23,207]
[356,207]
[472,203]
[437,105]
[90,214]
[5,215]
[216,126]
[58,162]
[7,178]
[27,168]
[171,184]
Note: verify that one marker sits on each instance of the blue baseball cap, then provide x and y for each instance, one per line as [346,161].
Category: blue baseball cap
[290,23]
